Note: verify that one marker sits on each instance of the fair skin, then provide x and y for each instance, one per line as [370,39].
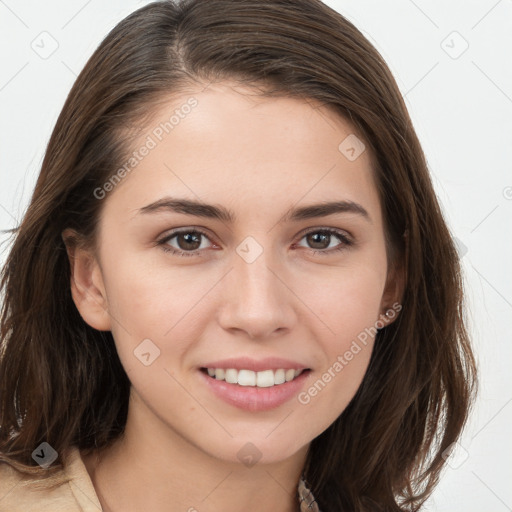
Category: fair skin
[257,157]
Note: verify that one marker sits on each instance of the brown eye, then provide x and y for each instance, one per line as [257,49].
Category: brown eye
[188,242]
[320,240]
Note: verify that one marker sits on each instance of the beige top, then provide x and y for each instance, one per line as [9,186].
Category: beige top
[21,493]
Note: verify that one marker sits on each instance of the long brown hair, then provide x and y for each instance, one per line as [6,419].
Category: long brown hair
[62,382]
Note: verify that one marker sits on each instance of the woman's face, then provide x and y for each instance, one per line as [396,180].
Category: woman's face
[266,289]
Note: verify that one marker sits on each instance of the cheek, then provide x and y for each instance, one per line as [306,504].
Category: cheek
[346,300]
[144,308]
[152,297]
[329,391]
[348,304]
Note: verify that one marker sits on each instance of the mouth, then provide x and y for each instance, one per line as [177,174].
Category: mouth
[248,378]
[255,391]
[254,384]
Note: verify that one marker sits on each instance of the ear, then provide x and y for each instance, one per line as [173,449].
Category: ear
[391,303]
[87,288]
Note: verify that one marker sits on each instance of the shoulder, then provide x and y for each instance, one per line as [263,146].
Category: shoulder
[67,490]
[22,492]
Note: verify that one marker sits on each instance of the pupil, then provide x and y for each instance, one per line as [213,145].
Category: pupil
[190,239]
[316,236]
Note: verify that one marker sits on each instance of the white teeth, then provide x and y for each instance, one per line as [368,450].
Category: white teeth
[263,379]
[246,378]
[231,376]
[279,377]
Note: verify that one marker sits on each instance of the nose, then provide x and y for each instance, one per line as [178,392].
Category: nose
[256,298]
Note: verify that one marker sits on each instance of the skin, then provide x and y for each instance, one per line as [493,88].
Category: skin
[258,157]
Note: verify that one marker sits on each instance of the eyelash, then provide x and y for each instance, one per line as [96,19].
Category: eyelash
[346,242]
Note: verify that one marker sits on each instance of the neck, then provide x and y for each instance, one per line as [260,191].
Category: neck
[152,467]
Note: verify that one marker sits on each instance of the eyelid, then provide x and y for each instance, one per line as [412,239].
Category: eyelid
[339,231]
[206,232]
[168,235]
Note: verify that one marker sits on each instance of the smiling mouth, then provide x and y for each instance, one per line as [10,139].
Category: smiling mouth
[249,378]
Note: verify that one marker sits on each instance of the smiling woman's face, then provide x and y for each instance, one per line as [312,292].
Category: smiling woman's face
[267,283]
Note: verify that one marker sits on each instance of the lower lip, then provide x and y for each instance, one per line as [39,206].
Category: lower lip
[252,398]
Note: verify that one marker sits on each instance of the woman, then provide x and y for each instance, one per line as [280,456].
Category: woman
[233,288]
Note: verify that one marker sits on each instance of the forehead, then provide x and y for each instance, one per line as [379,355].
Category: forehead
[226,143]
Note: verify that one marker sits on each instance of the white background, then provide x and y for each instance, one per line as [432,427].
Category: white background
[461,106]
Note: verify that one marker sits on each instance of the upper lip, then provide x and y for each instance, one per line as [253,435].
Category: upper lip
[246,363]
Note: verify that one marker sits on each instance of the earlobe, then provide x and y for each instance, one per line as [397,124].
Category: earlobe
[389,315]
[86,282]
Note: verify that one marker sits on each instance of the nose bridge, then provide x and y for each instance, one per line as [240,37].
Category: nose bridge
[257,301]
[254,270]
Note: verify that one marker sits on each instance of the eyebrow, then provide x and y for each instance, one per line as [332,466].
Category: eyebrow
[200,209]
